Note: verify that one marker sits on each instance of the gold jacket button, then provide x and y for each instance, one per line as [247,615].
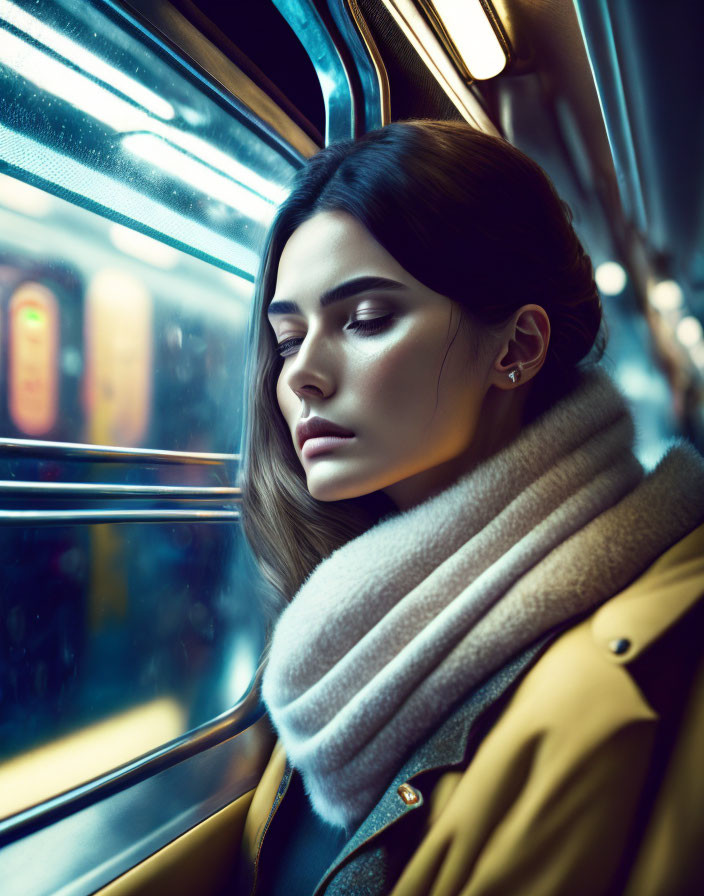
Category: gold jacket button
[408,794]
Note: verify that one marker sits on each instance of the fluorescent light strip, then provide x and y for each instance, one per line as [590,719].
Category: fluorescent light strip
[153,149]
[214,157]
[58,79]
[37,159]
[85,60]
[433,55]
[100,103]
[473,35]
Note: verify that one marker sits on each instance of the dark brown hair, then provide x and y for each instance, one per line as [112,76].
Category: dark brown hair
[470,217]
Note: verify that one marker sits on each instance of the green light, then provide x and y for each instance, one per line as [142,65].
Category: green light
[33,316]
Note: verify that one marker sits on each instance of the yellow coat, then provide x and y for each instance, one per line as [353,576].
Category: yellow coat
[587,777]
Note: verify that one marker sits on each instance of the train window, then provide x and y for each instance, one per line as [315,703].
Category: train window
[134,197]
[96,114]
[117,639]
[110,336]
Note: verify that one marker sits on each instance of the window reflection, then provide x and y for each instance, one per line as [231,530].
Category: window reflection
[110,336]
[150,624]
[133,203]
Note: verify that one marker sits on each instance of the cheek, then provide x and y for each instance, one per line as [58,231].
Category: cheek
[412,405]
[286,399]
[400,382]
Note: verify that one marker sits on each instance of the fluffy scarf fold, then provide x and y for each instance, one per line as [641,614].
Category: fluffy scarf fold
[395,627]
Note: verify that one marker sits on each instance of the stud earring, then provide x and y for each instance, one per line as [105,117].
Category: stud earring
[515,375]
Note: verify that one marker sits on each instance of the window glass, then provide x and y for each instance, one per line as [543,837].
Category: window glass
[113,327]
[111,337]
[133,203]
[115,639]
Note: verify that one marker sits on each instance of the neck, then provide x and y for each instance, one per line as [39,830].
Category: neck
[500,421]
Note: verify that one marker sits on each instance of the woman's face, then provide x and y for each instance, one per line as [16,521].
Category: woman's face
[363,345]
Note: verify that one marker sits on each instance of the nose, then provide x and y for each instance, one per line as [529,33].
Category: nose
[311,371]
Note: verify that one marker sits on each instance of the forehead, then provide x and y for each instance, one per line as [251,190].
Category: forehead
[328,248]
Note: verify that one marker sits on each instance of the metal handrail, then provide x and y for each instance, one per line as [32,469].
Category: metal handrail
[102,489]
[330,68]
[235,720]
[98,515]
[375,93]
[110,453]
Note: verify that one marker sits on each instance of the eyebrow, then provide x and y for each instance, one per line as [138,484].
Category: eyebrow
[342,291]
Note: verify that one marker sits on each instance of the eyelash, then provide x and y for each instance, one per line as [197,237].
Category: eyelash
[369,327]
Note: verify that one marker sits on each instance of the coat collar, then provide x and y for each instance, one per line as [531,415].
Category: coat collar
[625,627]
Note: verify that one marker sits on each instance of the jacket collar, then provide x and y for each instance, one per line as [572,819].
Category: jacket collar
[624,628]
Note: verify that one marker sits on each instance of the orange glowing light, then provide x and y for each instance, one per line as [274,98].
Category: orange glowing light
[118,342]
[33,359]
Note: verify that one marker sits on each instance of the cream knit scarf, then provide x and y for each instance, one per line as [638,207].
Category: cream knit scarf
[399,624]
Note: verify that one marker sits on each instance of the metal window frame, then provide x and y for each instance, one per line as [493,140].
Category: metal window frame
[233,722]
[162,20]
[120,819]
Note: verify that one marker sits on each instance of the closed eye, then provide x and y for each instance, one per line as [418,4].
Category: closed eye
[371,325]
[366,326]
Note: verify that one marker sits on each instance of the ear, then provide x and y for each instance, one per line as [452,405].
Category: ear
[523,344]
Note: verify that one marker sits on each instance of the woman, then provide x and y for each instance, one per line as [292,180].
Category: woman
[479,677]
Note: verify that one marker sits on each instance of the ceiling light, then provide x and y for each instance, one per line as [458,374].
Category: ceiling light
[423,34]
[666,296]
[474,31]
[689,331]
[610,278]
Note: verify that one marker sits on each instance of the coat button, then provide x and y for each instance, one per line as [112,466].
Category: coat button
[408,794]
[619,646]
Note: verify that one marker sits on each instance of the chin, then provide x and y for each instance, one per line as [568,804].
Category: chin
[337,489]
[330,492]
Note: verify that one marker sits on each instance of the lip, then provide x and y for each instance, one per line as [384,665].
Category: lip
[322,445]
[317,428]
